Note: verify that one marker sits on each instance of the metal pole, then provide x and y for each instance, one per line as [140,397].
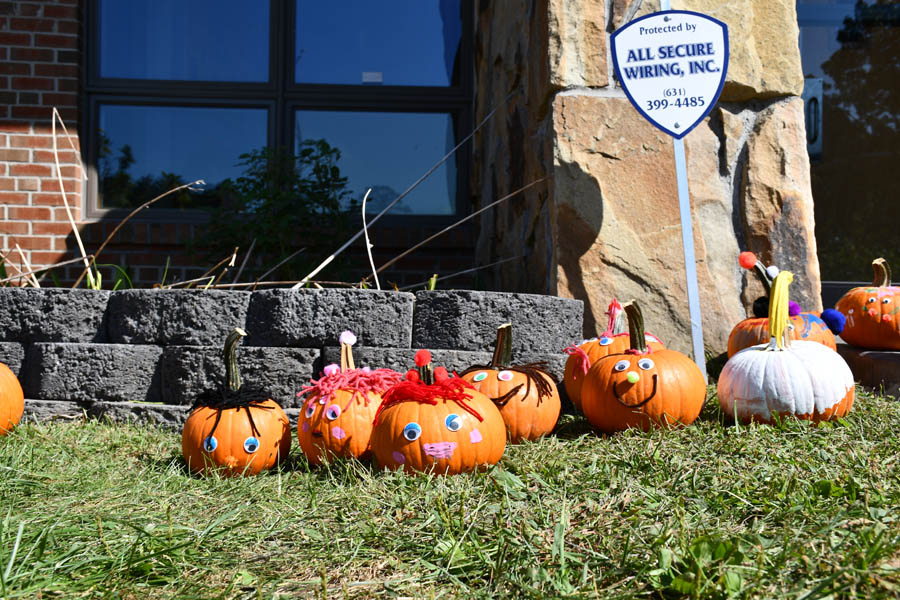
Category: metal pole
[687,242]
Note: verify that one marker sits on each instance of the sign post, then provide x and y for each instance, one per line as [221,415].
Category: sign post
[672,65]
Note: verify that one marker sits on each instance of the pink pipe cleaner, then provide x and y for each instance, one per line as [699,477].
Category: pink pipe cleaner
[585,363]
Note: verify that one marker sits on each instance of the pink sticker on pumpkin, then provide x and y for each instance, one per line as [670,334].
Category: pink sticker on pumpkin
[338,433]
[398,457]
[475,436]
[440,449]
[505,375]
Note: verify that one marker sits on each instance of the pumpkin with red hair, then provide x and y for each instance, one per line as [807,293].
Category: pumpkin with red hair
[434,422]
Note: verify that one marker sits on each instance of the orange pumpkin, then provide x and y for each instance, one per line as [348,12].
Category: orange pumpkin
[433,422]
[642,387]
[525,394]
[336,418]
[873,312]
[612,341]
[12,400]
[236,430]
[806,326]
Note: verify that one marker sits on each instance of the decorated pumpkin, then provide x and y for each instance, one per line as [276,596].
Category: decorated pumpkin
[236,430]
[12,400]
[525,394]
[806,326]
[336,416]
[873,312]
[434,422]
[642,387]
[614,340]
[785,376]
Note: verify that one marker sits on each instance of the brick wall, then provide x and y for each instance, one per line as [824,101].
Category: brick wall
[40,68]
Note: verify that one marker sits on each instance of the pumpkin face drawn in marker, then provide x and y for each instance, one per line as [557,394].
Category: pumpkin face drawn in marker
[433,422]
[525,394]
[337,414]
[873,312]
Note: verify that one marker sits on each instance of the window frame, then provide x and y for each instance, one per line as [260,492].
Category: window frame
[282,97]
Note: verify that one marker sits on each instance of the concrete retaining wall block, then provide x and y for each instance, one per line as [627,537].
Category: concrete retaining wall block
[52,315]
[114,372]
[315,318]
[175,317]
[468,320]
[187,371]
[401,359]
[12,355]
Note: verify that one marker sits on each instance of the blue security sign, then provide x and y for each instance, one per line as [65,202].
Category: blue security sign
[672,66]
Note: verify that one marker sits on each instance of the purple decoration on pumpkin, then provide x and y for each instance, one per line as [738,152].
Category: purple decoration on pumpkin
[834,319]
[794,309]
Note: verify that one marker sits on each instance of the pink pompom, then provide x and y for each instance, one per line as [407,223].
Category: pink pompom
[423,357]
[331,369]
[347,337]
[747,260]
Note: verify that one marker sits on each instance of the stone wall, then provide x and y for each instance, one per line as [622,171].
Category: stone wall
[147,354]
[605,223]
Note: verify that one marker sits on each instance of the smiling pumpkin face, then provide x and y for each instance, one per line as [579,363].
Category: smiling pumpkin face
[445,427]
[640,390]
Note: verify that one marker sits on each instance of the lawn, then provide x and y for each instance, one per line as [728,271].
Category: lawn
[101,510]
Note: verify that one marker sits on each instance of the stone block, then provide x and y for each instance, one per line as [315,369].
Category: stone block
[12,355]
[51,410]
[52,315]
[175,317]
[187,371]
[164,415]
[315,318]
[87,372]
[468,320]
[875,369]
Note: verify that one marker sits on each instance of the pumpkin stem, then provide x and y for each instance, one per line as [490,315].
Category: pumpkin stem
[502,347]
[615,322]
[232,372]
[636,335]
[779,316]
[882,273]
[763,277]
[426,373]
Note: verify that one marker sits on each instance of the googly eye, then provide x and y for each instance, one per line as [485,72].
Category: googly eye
[481,376]
[310,410]
[622,365]
[505,375]
[646,363]
[453,422]
[333,412]
[210,444]
[605,341]
[412,431]
[886,301]
[872,299]
[251,445]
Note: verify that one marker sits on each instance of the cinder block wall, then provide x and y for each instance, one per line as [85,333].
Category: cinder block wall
[146,354]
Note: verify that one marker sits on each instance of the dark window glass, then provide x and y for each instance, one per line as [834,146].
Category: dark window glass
[395,42]
[388,152]
[851,52]
[196,40]
[144,151]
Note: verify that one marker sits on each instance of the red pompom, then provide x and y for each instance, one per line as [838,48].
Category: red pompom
[440,374]
[412,375]
[747,260]
[423,357]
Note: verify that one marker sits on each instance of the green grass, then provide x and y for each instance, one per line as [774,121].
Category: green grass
[789,511]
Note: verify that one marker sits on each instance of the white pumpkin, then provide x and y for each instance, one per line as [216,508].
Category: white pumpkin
[804,379]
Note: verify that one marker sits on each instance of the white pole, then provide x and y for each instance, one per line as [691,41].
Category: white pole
[687,242]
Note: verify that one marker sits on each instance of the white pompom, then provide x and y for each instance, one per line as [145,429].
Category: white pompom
[773,271]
